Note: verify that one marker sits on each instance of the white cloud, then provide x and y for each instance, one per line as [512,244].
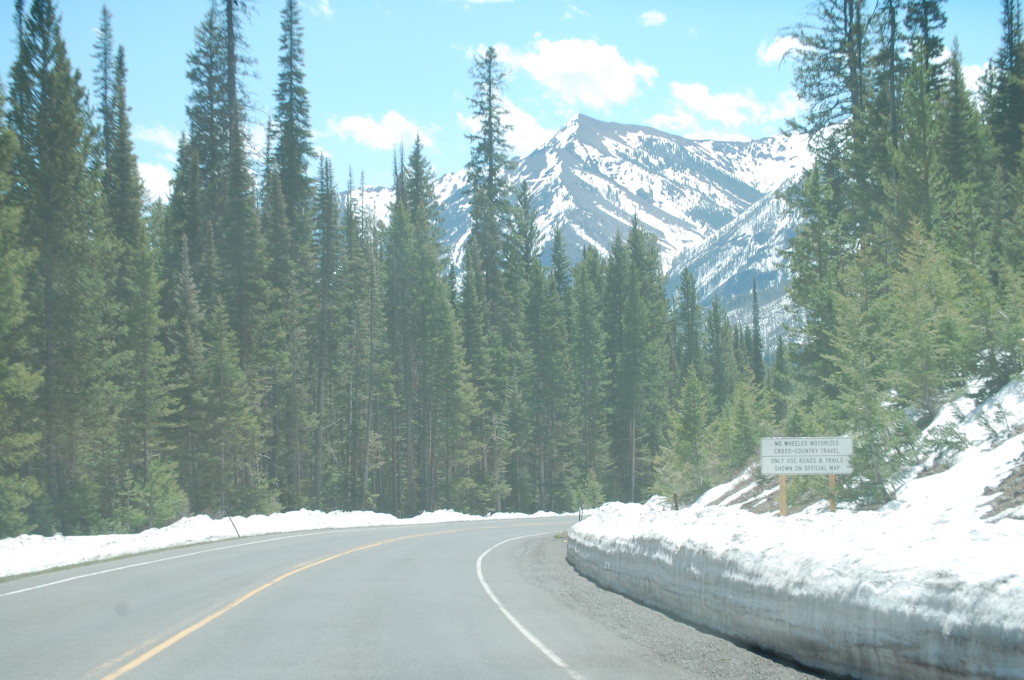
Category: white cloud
[653,18]
[159,135]
[973,74]
[526,134]
[677,121]
[730,108]
[572,11]
[696,107]
[387,133]
[774,52]
[322,8]
[581,71]
[157,179]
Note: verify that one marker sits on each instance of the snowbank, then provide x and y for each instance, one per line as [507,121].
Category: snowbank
[923,588]
[29,553]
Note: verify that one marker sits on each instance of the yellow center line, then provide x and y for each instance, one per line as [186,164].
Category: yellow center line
[178,637]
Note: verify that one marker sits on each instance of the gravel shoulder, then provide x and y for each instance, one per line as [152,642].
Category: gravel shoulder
[663,641]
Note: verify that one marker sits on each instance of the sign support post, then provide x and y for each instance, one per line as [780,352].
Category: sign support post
[783,501]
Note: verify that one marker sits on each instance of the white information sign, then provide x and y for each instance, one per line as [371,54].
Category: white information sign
[806,456]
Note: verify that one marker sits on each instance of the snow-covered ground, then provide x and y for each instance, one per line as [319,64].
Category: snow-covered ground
[925,587]
[28,553]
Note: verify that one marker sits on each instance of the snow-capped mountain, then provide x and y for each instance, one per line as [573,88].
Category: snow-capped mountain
[746,250]
[592,177]
[710,204]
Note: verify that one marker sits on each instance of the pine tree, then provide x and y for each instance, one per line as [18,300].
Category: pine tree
[282,355]
[925,21]
[862,375]
[492,361]
[184,337]
[930,329]
[688,334]
[757,341]
[230,436]
[638,340]
[145,366]
[721,354]
[685,467]
[104,82]
[831,70]
[293,128]
[363,352]
[200,184]
[425,343]
[1002,89]
[590,364]
[556,428]
[69,303]
[489,163]
[19,382]
[327,325]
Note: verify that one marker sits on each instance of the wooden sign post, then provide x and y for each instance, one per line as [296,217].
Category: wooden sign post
[785,456]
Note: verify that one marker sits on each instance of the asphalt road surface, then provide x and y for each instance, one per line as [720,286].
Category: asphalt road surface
[490,599]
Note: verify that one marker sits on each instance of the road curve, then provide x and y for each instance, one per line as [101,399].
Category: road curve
[488,599]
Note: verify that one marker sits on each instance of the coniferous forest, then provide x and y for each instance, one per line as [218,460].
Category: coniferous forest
[257,343]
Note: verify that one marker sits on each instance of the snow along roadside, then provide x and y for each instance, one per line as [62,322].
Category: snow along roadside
[846,593]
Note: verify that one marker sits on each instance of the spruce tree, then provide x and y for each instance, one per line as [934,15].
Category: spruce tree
[638,341]
[293,129]
[588,340]
[831,70]
[145,367]
[70,309]
[19,382]
[491,358]
[326,327]
[757,341]
[1002,89]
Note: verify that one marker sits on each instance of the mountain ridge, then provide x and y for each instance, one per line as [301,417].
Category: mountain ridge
[711,204]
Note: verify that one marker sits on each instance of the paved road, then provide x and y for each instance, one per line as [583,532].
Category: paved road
[491,599]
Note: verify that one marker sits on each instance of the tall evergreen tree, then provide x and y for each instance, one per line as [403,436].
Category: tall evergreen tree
[925,21]
[104,82]
[326,326]
[831,69]
[1002,89]
[152,497]
[638,344]
[488,167]
[757,341]
[70,309]
[590,364]
[425,343]
[293,128]
[19,382]
[486,332]
[688,333]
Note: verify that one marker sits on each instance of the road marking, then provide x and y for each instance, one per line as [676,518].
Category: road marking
[178,637]
[163,559]
[554,658]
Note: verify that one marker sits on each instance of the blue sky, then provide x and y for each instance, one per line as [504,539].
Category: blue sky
[381,71]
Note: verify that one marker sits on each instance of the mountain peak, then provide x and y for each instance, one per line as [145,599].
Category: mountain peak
[593,176]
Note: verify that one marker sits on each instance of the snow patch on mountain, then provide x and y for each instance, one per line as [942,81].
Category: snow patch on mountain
[710,204]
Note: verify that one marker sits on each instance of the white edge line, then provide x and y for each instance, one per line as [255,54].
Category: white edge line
[162,559]
[554,658]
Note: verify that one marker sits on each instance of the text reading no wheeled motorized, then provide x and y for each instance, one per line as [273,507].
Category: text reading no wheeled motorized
[806,455]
